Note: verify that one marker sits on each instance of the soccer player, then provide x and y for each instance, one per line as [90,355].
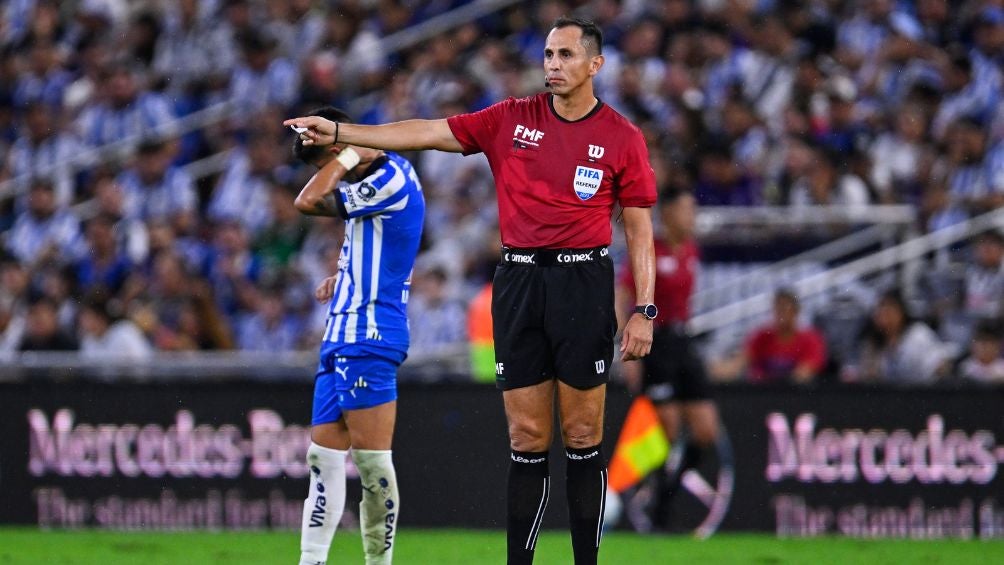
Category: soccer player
[366,338]
[562,160]
[673,375]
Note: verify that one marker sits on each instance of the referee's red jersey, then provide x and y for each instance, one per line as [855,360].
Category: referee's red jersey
[557,181]
[675,270]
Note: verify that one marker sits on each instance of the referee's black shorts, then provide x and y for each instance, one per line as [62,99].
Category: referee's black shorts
[553,317]
[673,369]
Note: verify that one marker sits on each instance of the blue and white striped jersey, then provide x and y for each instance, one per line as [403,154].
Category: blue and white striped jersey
[385,211]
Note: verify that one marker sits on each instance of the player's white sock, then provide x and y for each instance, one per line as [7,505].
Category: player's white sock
[378,511]
[325,502]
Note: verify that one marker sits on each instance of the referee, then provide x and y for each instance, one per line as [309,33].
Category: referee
[562,161]
[673,376]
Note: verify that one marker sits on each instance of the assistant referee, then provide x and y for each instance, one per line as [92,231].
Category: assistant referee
[562,161]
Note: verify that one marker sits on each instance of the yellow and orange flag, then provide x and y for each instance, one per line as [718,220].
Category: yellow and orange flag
[641,447]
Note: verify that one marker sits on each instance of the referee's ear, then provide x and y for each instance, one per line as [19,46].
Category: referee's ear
[595,64]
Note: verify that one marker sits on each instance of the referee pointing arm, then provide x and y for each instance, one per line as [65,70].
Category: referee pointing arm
[562,160]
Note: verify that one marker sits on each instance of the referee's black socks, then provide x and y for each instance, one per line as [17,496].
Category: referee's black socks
[587,487]
[528,487]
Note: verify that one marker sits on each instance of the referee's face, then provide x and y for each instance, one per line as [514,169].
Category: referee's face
[567,63]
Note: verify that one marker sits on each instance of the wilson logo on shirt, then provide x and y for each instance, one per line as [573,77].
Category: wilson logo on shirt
[587,181]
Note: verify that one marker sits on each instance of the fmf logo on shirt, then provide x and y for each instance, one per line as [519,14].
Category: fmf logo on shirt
[527,135]
[587,182]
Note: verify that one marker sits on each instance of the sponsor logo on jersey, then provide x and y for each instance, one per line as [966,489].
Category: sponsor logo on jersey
[366,191]
[587,181]
[527,136]
[596,151]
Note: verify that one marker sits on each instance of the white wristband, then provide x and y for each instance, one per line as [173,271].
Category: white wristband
[348,158]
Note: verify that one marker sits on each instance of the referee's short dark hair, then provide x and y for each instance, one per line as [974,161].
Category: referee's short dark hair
[311,153]
[592,35]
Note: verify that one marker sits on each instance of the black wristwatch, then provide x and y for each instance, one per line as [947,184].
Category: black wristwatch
[647,310]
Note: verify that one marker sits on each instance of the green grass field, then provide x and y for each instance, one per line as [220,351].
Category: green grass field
[442,547]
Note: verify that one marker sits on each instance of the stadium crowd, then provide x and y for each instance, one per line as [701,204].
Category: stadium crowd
[744,102]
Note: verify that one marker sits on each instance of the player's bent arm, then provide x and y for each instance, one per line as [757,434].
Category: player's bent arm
[407,135]
[318,198]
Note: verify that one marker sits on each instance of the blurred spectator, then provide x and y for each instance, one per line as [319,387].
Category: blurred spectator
[190,57]
[243,191]
[176,312]
[105,335]
[824,185]
[984,278]
[438,321]
[269,326]
[104,265]
[12,324]
[898,349]
[44,150]
[45,79]
[123,110]
[154,189]
[44,232]
[43,332]
[780,352]
[897,156]
[14,281]
[262,78]
[972,91]
[91,62]
[131,234]
[721,182]
[985,364]
[355,49]
[142,37]
[298,27]
[278,244]
[967,181]
[232,269]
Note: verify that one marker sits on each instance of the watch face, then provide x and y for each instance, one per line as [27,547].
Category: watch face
[648,310]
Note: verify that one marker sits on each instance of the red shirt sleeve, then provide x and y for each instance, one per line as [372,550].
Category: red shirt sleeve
[813,350]
[474,131]
[636,184]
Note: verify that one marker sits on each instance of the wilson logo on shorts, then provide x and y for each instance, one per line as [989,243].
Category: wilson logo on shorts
[587,181]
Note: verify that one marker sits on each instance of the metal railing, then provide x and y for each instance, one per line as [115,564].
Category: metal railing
[855,242]
[898,255]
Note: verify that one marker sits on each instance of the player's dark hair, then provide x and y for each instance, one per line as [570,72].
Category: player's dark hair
[671,194]
[310,154]
[591,33]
